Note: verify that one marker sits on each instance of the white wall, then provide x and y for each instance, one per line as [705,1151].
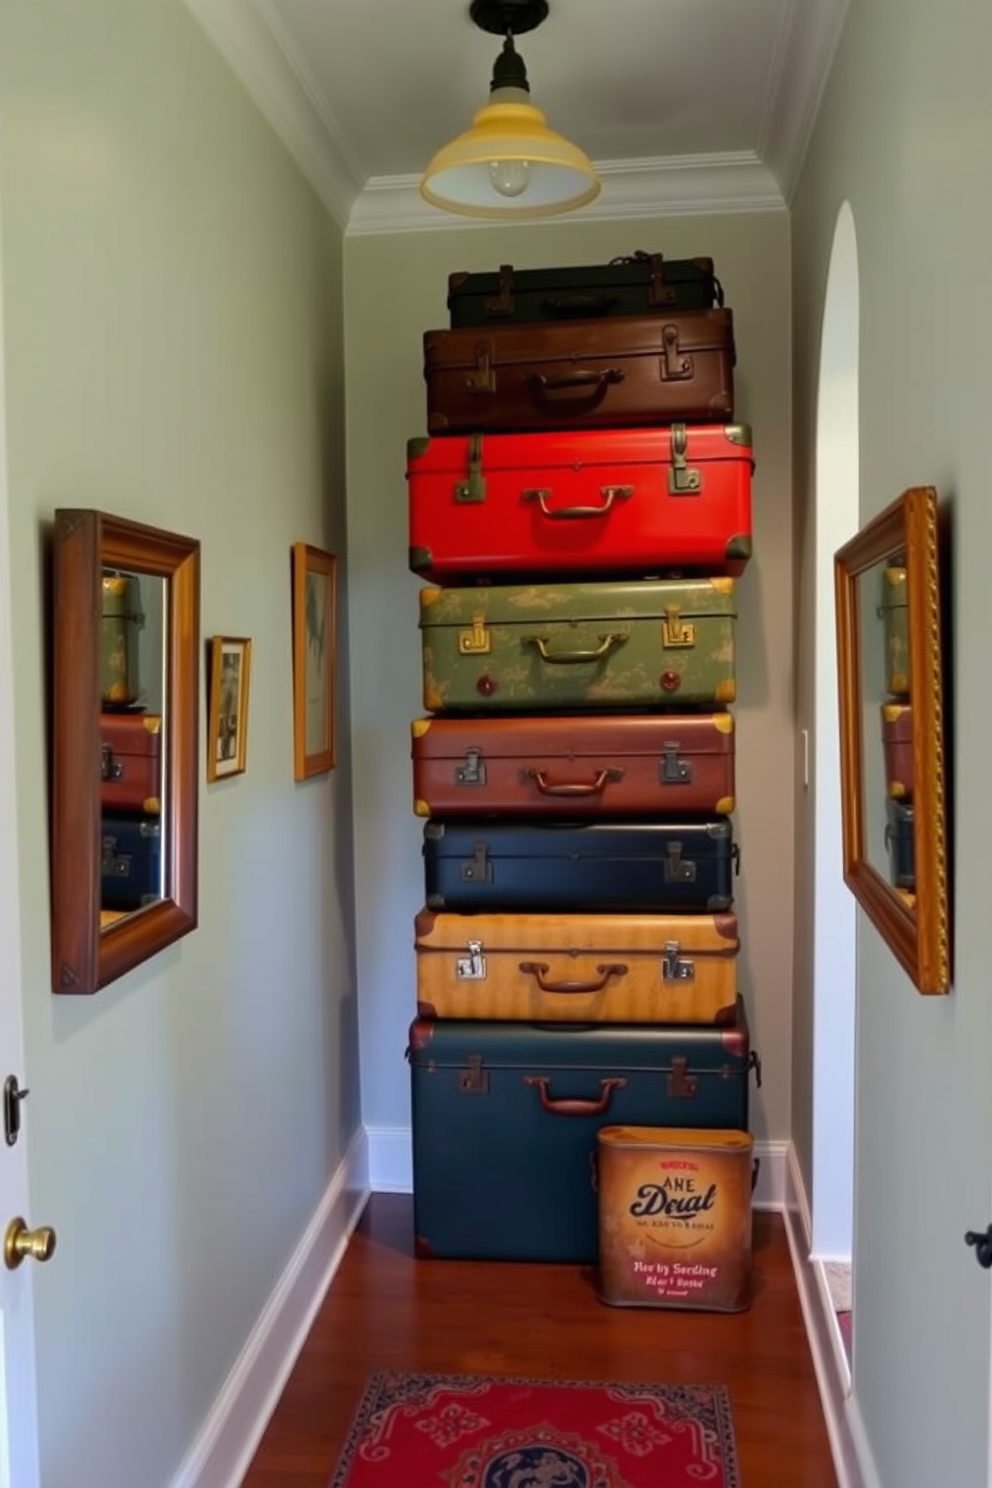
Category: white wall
[174,355]
[396,289]
[903,135]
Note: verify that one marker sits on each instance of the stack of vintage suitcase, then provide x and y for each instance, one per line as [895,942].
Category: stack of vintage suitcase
[580,511]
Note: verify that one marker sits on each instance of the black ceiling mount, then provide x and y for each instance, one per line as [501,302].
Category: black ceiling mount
[508,17]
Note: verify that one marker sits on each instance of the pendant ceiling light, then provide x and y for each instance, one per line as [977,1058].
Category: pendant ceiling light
[509,166]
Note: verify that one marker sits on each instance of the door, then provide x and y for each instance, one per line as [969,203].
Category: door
[18,1414]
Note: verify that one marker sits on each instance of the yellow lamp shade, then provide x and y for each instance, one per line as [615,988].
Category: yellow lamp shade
[510,166]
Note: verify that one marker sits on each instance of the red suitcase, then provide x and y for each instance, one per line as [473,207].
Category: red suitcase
[897,749]
[582,374]
[588,503]
[581,765]
[131,762]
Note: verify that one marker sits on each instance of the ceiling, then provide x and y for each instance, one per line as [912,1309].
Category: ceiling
[683,105]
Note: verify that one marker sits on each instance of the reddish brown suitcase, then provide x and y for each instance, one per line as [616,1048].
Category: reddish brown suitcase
[592,374]
[131,762]
[603,502]
[603,765]
[897,748]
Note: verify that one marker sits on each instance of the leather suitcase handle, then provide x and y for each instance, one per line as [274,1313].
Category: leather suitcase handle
[579,377]
[566,513]
[570,1106]
[566,658]
[538,970]
[576,787]
[579,304]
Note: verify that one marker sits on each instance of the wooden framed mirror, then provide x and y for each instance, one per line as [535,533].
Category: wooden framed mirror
[887,583]
[125,731]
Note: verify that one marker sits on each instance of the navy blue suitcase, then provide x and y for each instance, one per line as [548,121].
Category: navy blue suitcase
[899,841]
[506,1116]
[660,866]
[131,861]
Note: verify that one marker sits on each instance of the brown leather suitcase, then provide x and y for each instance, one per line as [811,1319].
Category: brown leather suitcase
[897,749]
[131,762]
[574,765]
[624,371]
[577,968]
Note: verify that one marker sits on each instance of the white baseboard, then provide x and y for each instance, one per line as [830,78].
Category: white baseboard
[852,1457]
[391,1165]
[220,1455]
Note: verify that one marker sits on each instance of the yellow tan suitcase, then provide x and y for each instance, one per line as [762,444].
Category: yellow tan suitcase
[577,968]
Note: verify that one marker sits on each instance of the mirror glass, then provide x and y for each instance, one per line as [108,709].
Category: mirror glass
[889,656]
[124,739]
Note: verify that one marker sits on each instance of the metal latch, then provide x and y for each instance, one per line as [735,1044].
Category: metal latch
[474,1080]
[478,868]
[474,489]
[676,871]
[482,379]
[675,968]
[674,632]
[674,771]
[475,642]
[110,769]
[471,968]
[682,1085]
[473,771]
[12,1097]
[683,479]
[675,367]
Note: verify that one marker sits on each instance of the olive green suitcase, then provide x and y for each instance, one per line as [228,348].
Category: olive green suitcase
[895,621]
[537,647]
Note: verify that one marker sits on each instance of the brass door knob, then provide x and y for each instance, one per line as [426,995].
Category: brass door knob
[19,1243]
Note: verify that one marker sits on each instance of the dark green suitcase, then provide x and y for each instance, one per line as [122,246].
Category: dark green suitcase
[639,284]
[506,1116]
[520,648]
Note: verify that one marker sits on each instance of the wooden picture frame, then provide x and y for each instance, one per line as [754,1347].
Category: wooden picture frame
[881,662]
[230,685]
[314,660]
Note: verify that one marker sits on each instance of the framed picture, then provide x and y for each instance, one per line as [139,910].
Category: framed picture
[314,612]
[227,728]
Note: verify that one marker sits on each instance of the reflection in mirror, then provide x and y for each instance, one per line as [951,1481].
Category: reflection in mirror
[132,713]
[891,722]
[124,745]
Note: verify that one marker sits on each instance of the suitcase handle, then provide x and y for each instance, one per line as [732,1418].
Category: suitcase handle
[564,658]
[579,305]
[538,970]
[565,513]
[572,1107]
[579,377]
[573,788]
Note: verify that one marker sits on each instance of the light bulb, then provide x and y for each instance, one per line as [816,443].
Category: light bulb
[510,177]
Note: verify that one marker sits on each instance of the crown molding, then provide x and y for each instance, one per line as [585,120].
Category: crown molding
[673,186]
[252,40]
[801,61]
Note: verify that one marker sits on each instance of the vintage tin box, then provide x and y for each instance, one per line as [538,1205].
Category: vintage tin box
[122,619]
[895,622]
[675,1218]
[620,645]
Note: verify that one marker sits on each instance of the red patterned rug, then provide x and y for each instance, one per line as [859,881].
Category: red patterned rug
[467,1431]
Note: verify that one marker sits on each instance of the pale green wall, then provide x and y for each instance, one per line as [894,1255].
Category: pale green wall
[174,354]
[904,134]
[396,289]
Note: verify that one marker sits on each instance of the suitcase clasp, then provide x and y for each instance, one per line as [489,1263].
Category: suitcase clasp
[683,479]
[682,1085]
[674,771]
[478,868]
[473,771]
[482,380]
[110,769]
[474,1080]
[473,489]
[475,642]
[675,968]
[675,632]
[471,968]
[674,367]
[677,871]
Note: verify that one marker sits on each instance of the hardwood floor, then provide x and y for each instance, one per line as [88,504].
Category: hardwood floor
[385,1309]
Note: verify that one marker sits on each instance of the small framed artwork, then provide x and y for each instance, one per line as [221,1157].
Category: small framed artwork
[314,612]
[227,729]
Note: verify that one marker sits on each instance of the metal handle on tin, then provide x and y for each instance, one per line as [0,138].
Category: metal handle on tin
[579,377]
[573,788]
[538,970]
[571,1106]
[563,658]
[567,513]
